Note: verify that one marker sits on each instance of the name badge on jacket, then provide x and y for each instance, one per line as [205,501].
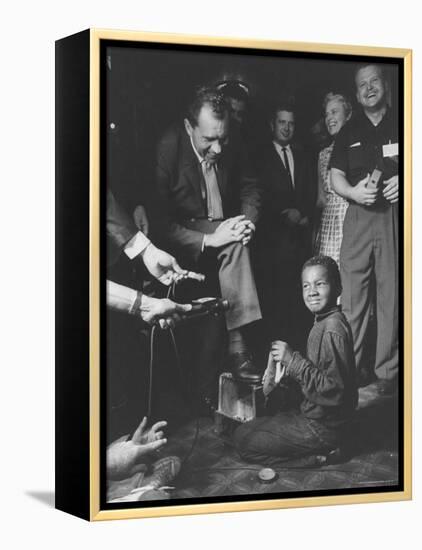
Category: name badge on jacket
[390,150]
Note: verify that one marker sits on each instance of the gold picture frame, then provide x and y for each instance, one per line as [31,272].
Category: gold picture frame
[81,470]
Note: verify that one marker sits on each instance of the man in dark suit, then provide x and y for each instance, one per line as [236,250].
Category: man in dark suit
[124,237]
[285,232]
[210,207]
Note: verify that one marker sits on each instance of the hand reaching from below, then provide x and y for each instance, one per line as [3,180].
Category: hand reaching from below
[126,458]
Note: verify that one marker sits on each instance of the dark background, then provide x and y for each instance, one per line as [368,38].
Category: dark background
[147,89]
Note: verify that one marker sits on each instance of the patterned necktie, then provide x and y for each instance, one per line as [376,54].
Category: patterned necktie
[287,165]
[214,205]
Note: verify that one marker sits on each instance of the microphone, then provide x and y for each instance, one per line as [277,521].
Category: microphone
[207,306]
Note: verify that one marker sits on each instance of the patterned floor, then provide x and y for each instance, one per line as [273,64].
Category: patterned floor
[213,468]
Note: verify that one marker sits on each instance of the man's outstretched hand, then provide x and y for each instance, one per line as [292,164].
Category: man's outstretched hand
[165,268]
[162,311]
[127,457]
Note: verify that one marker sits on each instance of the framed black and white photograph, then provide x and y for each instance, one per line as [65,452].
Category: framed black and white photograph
[233,274]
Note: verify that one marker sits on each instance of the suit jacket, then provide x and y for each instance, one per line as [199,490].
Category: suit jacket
[119,228]
[278,196]
[182,190]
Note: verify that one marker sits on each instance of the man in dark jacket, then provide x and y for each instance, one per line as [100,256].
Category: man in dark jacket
[285,232]
[210,207]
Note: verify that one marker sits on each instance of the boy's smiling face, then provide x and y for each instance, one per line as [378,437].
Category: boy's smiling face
[319,293]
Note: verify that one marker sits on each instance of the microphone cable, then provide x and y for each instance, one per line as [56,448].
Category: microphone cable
[170,294]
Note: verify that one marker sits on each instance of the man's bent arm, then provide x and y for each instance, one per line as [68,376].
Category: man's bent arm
[176,234]
[340,184]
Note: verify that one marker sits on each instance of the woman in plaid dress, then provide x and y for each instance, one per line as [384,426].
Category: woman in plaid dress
[330,232]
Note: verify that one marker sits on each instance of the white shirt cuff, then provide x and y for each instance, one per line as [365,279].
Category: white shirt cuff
[136,245]
[120,297]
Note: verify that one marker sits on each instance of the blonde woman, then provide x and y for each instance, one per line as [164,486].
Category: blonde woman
[337,111]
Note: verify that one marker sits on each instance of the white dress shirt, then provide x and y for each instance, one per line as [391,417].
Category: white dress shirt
[214,202]
[216,191]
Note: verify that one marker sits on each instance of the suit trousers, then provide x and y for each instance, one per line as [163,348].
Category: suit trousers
[369,272]
[236,278]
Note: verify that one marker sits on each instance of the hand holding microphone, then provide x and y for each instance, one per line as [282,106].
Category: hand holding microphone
[164,267]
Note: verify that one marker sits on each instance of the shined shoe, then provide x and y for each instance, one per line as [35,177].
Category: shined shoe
[243,369]
[163,472]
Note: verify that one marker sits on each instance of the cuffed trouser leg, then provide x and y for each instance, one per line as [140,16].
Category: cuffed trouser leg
[356,267]
[237,285]
[386,277]
[369,271]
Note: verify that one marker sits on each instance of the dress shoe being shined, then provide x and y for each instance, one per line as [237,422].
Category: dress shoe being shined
[243,368]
